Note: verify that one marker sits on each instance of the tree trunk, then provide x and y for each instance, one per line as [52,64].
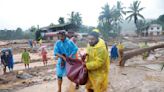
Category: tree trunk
[130,54]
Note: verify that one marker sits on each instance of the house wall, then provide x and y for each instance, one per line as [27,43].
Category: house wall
[155,30]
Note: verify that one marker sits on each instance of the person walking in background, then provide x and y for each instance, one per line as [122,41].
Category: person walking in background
[26,58]
[11,60]
[44,56]
[4,61]
[40,42]
[1,66]
[146,54]
[114,53]
[97,64]
[73,39]
[120,47]
[30,42]
[63,47]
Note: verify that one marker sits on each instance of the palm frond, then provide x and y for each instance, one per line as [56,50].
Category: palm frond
[130,17]
[123,12]
[141,16]
[129,11]
[132,8]
[141,9]
[138,4]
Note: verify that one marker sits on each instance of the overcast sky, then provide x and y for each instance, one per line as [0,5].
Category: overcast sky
[25,13]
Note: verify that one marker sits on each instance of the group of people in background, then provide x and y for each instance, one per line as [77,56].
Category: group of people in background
[26,55]
[116,53]
[7,60]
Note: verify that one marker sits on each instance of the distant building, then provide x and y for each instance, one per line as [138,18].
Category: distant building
[152,30]
[50,32]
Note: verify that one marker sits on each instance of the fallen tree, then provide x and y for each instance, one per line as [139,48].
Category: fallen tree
[130,54]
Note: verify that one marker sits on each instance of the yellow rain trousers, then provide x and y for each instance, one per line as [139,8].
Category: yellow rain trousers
[98,67]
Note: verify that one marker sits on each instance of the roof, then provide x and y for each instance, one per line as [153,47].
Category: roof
[59,25]
[54,28]
[155,25]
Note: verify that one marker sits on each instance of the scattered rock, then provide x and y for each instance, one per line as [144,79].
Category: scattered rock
[123,73]
[28,83]
[48,79]
[24,76]
[34,74]
[20,72]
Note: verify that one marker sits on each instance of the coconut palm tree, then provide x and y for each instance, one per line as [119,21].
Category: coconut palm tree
[118,12]
[75,18]
[135,11]
[117,16]
[106,15]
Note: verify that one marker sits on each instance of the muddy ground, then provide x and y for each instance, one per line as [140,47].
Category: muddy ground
[137,76]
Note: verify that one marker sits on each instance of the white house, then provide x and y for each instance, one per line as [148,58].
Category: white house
[153,30]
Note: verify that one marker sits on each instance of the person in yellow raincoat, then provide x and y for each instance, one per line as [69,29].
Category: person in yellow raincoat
[40,42]
[97,64]
[146,54]
[120,47]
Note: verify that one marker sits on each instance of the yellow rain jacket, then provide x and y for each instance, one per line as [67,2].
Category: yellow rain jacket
[120,46]
[98,67]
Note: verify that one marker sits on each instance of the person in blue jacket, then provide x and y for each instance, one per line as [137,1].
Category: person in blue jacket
[11,60]
[114,53]
[7,59]
[63,47]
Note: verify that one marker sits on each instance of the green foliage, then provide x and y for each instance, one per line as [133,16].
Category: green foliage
[16,34]
[134,11]
[11,34]
[33,29]
[160,21]
[61,20]
[110,19]
[75,19]
[105,15]
[105,19]
[161,18]
[52,24]
[104,29]
[85,29]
